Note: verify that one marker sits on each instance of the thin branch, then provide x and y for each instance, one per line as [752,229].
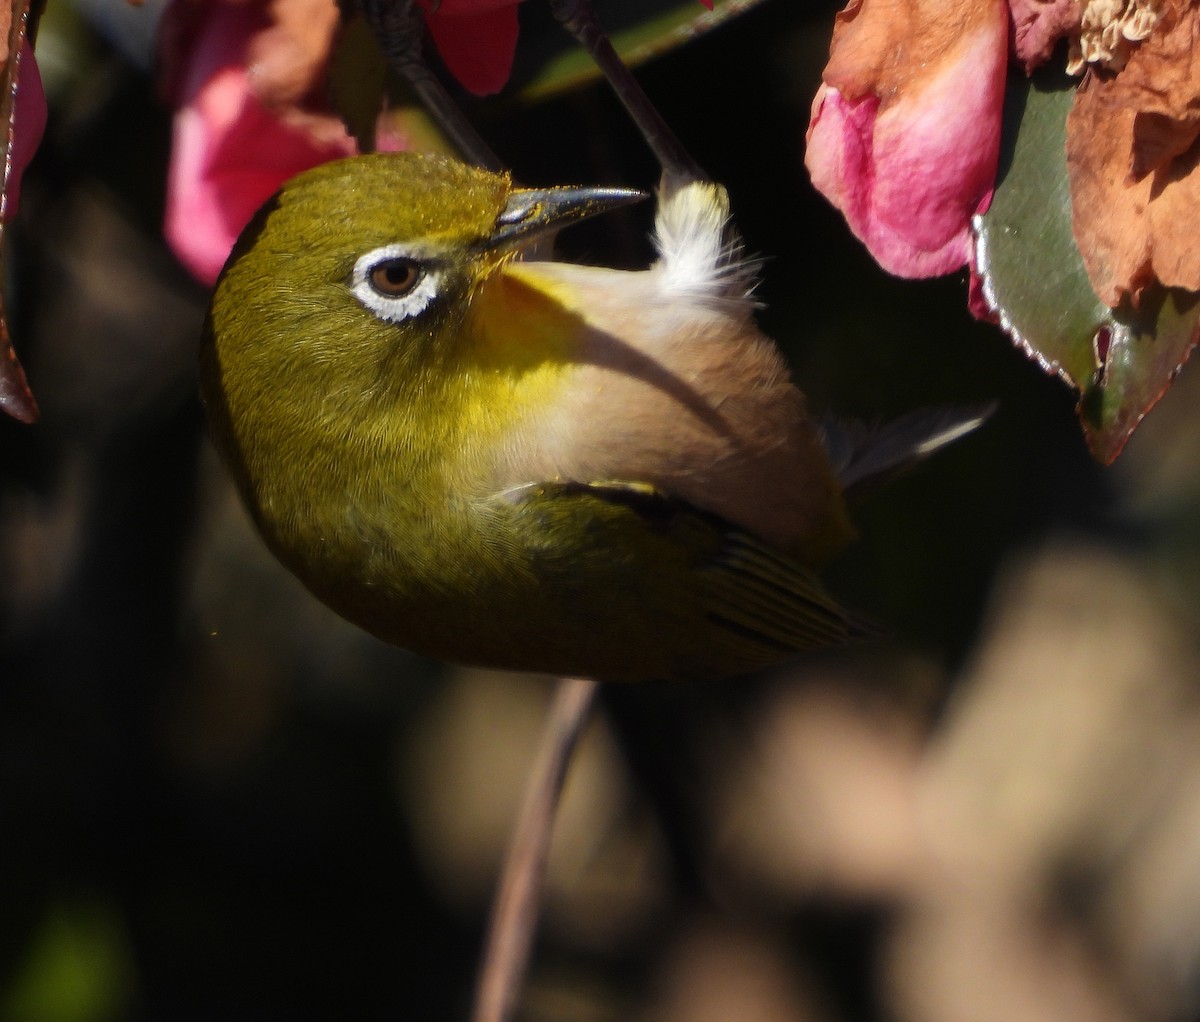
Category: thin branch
[578,17]
[515,910]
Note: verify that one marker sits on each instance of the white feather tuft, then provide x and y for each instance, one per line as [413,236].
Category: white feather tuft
[700,252]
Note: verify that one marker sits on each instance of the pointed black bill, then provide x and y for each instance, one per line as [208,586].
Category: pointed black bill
[531,212]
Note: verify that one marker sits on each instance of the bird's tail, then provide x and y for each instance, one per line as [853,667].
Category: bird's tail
[865,457]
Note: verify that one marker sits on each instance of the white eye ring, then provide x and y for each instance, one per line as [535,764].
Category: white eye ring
[404,304]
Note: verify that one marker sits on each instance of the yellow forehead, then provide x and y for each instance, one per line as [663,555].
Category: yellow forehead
[363,201]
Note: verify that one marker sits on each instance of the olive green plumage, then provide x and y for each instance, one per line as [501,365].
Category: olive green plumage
[519,464]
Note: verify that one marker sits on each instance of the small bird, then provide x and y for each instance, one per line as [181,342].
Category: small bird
[520,463]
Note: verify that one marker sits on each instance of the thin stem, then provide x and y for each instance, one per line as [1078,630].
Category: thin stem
[515,910]
[578,17]
[399,27]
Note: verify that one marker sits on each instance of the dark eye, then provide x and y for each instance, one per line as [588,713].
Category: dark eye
[394,277]
[394,283]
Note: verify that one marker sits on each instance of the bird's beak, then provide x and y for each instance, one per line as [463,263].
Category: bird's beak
[532,212]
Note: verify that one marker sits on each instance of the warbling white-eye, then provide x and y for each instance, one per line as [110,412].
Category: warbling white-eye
[528,465]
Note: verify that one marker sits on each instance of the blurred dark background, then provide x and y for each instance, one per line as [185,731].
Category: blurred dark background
[218,801]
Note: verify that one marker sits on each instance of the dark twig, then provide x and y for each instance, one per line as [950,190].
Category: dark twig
[578,17]
[515,910]
[399,27]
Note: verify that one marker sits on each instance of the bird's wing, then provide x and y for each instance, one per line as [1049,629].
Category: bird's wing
[713,598]
[866,457]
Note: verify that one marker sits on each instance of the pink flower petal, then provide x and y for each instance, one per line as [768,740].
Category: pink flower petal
[1038,25]
[476,41]
[229,156]
[910,162]
[230,153]
[29,124]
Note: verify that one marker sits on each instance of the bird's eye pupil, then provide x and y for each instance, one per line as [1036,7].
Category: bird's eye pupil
[394,277]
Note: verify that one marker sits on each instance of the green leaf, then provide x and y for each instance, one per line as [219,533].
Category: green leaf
[1146,349]
[638,29]
[1121,361]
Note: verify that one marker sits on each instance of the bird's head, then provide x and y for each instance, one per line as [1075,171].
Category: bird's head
[356,277]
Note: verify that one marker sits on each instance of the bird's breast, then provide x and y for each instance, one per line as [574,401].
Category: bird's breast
[616,379]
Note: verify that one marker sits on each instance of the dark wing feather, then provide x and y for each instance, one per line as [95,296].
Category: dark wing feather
[719,600]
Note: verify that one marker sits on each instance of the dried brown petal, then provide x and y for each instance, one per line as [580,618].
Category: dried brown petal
[1131,153]
[873,49]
